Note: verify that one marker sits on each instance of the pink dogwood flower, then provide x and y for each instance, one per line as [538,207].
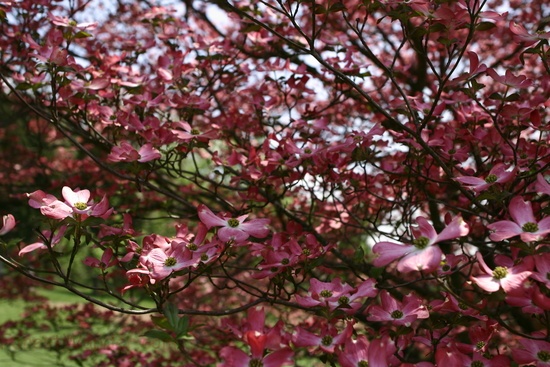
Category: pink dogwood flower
[234,357]
[234,229]
[127,153]
[123,153]
[525,225]
[497,175]
[8,223]
[506,275]
[542,264]
[542,185]
[107,260]
[163,263]
[530,299]
[49,205]
[360,352]
[336,295]
[398,313]
[327,341]
[41,245]
[421,255]
[521,35]
[76,202]
[536,351]
[79,200]
[148,153]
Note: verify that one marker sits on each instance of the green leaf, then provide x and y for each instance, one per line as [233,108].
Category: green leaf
[319,9]
[159,334]
[250,27]
[82,34]
[496,96]
[512,97]
[336,8]
[485,26]
[23,86]
[183,327]
[161,322]
[171,313]
[376,272]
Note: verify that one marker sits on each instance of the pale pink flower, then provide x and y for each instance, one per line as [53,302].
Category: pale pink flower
[41,245]
[530,299]
[509,79]
[536,351]
[498,174]
[123,153]
[49,205]
[421,255]
[521,35]
[163,263]
[542,264]
[234,229]
[148,153]
[360,352]
[398,313]
[39,198]
[525,225]
[257,340]
[506,275]
[69,23]
[78,200]
[8,223]
[107,260]
[321,293]
[542,185]
[336,295]
[327,341]
[356,351]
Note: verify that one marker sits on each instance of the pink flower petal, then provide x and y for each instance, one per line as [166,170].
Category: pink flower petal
[521,211]
[427,259]
[389,251]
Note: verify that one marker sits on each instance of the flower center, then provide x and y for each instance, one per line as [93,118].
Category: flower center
[543,356]
[343,300]
[397,314]
[204,257]
[421,242]
[233,223]
[195,132]
[492,178]
[480,345]
[80,205]
[171,261]
[191,246]
[530,227]
[306,251]
[462,306]
[285,261]
[255,362]
[500,272]
[362,363]
[327,340]
[307,151]
[477,364]
[325,293]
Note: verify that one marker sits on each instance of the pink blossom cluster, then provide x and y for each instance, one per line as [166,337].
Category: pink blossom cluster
[76,204]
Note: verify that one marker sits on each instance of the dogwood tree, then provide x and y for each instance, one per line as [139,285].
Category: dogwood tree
[359,182]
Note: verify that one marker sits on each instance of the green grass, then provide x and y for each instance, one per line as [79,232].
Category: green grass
[38,348]
[10,310]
